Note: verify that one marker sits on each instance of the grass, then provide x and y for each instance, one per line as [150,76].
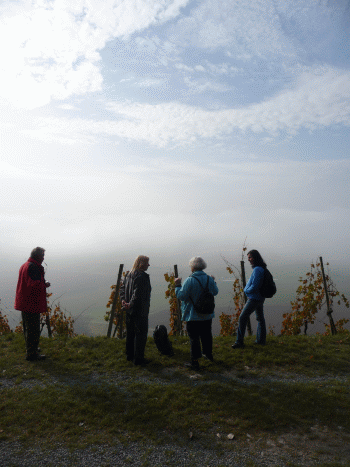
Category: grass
[86,392]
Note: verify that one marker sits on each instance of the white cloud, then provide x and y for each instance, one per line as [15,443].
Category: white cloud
[266,28]
[11,171]
[149,83]
[52,47]
[319,98]
[182,66]
[201,85]
[67,107]
[252,27]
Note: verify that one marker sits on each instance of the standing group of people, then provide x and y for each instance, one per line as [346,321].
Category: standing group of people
[199,326]
[135,294]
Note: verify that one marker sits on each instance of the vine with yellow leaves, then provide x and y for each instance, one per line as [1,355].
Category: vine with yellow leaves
[4,324]
[60,324]
[176,325]
[229,322]
[119,320]
[56,320]
[310,298]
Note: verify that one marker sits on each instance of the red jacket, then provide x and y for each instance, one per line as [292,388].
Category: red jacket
[31,288]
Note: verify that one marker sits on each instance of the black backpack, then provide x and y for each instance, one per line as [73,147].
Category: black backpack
[268,287]
[205,304]
[161,339]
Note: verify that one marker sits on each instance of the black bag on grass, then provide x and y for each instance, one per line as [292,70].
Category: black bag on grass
[161,339]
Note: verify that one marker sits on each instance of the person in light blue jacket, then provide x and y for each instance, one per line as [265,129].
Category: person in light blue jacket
[198,326]
[255,301]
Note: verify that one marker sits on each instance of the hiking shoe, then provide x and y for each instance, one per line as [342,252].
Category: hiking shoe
[209,357]
[34,357]
[194,365]
[142,361]
[237,345]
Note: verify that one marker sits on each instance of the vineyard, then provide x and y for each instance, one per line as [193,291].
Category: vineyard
[316,292]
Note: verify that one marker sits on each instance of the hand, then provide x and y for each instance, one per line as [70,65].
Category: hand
[47,284]
[125,305]
[177,281]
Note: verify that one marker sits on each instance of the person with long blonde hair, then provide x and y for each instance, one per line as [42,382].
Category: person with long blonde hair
[135,294]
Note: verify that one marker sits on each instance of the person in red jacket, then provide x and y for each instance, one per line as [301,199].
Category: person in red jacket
[31,300]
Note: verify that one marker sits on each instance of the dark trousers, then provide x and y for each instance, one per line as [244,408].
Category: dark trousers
[136,336]
[31,331]
[200,332]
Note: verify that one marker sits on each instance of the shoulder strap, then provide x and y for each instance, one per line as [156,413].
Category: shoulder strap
[203,288]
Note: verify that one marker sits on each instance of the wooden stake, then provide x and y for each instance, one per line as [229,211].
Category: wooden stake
[48,325]
[249,326]
[178,308]
[115,300]
[329,309]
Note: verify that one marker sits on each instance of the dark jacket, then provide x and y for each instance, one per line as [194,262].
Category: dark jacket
[31,288]
[136,290]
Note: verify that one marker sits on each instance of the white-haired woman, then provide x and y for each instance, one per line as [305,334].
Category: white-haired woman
[135,294]
[198,325]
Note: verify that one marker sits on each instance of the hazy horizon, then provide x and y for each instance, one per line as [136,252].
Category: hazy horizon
[83,287]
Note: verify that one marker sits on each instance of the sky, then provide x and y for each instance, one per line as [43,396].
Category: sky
[172,128]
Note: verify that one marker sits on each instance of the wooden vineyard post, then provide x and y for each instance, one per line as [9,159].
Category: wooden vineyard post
[329,309]
[249,326]
[48,325]
[178,325]
[121,323]
[115,300]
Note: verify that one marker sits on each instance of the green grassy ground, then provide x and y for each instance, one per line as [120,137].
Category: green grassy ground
[86,392]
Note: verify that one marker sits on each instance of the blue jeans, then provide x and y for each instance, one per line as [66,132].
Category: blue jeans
[258,307]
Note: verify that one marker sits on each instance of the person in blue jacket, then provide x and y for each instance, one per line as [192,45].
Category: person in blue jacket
[198,326]
[255,301]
